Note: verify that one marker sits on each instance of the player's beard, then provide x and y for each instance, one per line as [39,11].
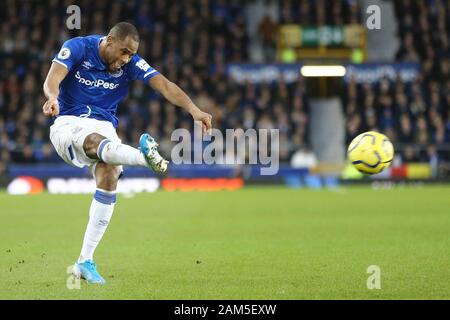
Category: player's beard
[115,66]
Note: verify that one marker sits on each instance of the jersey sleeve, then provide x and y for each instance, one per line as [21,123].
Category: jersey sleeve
[141,70]
[70,54]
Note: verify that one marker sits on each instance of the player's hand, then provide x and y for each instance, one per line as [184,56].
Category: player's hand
[204,118]
[51,107]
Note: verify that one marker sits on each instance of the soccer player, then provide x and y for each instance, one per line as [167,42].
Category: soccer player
[87,79]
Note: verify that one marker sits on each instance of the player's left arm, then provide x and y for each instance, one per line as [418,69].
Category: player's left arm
[178,97]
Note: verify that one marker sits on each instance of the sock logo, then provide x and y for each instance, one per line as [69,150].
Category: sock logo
[103,223]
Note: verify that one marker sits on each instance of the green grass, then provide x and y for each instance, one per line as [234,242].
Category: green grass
[256,243]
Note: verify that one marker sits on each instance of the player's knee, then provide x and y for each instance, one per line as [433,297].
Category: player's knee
[91,144]
[107,176]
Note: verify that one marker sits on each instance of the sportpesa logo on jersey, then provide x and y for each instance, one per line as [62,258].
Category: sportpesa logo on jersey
[95,83]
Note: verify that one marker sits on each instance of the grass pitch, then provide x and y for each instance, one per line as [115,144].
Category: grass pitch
[256,243]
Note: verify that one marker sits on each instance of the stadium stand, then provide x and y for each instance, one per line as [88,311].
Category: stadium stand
[191,42]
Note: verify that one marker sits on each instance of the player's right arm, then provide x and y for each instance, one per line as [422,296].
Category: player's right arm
[70,55]
[55,75]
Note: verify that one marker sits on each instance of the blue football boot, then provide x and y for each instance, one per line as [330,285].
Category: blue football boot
[148,147]
[87,270]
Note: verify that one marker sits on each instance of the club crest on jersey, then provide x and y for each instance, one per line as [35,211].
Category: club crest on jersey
[64,53]
[116,74]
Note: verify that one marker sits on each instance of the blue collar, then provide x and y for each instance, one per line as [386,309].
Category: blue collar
[100,61]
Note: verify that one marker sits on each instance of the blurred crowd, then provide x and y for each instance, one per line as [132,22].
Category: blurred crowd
[182,40]
[415,116]
[190,42]
[320,12]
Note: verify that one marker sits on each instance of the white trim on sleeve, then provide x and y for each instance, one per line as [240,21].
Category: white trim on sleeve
[149,73]
[54,60]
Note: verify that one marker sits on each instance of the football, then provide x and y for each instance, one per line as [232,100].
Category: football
[371,152]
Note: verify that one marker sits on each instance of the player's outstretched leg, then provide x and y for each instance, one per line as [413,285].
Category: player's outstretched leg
[100,214]
[115,153]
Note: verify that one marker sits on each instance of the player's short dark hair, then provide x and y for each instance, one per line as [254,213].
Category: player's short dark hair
[124,29]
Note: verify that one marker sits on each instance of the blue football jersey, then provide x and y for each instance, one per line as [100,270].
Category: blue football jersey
[89,89]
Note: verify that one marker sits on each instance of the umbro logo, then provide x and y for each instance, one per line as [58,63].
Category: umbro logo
[87,64]
[103,223]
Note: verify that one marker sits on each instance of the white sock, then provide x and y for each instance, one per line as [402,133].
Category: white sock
[100,213]
[118,154]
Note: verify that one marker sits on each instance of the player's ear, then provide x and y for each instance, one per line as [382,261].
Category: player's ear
[109,39]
